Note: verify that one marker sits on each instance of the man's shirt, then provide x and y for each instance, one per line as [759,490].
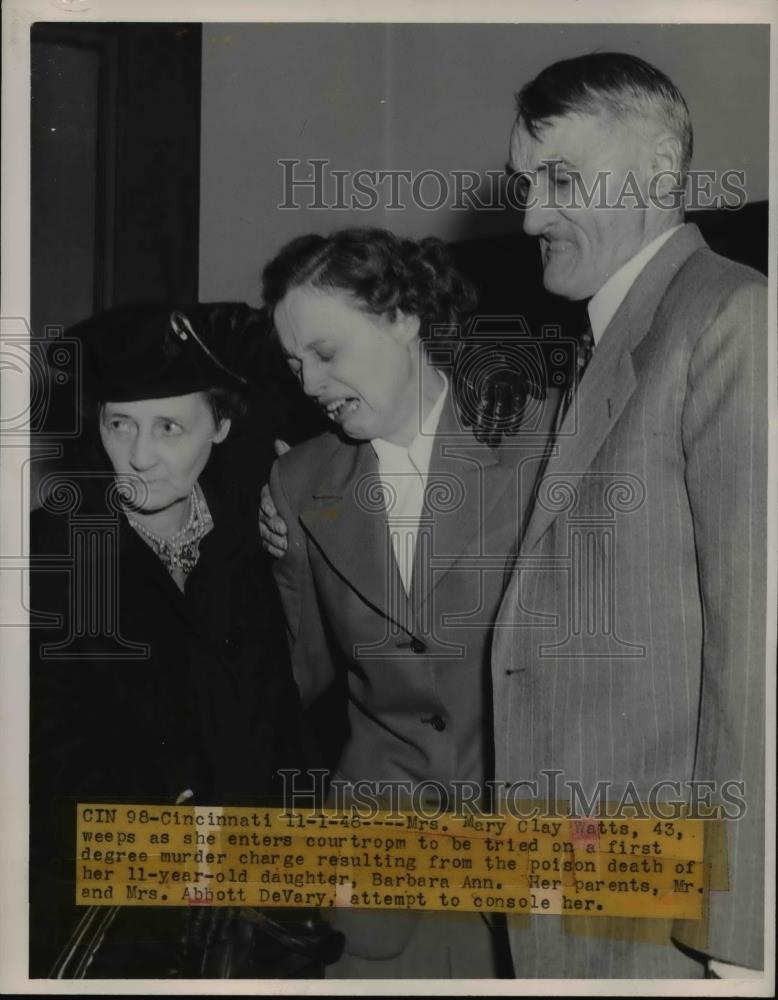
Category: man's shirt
[604,303]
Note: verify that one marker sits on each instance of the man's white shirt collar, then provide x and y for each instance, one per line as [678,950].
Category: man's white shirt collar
[604,303]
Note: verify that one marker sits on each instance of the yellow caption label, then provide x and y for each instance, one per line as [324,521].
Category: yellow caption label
[208,856]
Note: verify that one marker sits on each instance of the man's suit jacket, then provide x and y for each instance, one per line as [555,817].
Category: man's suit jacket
[630,644]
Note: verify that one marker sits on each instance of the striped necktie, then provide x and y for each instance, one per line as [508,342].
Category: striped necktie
[583,354]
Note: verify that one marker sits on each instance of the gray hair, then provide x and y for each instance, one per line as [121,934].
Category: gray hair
[613,83]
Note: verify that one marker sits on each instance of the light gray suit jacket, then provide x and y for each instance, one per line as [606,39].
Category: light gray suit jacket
[410,658]
[417,665]
[630,644]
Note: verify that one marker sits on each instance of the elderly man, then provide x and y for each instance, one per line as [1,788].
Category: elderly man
[630,644]
[629,648]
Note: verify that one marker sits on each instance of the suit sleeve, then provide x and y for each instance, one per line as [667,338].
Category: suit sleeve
[312,662]
[724,433]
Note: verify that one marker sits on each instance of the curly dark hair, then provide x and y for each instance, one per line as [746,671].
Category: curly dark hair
[387,275]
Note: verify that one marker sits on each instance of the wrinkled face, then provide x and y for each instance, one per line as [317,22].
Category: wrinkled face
[361,369]
[164,443]
[583,241]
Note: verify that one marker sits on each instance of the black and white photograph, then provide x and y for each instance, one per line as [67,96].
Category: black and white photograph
[389,424]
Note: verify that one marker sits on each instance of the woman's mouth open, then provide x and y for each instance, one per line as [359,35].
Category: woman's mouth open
[340,408]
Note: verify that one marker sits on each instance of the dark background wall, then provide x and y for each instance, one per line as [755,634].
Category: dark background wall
[115,191]
[115,144]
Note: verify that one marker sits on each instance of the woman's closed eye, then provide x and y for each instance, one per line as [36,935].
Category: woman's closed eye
[322,357]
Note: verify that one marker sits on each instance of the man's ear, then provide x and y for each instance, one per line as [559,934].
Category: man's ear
[664,165]
[223,431]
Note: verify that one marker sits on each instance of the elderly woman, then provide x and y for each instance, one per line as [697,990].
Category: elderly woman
[399,523]
[158,674]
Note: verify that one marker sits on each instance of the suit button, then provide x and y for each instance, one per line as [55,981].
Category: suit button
[418,646]
[437,722]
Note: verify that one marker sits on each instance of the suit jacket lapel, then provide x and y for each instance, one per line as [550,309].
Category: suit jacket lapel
[346,516]
[463,484]
[610,379]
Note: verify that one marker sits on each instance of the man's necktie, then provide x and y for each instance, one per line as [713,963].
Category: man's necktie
[583,355]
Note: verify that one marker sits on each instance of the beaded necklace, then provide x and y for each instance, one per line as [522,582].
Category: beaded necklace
[182,550]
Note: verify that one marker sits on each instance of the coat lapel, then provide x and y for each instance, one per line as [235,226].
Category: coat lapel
[464,483]
[346,517]
[610,379]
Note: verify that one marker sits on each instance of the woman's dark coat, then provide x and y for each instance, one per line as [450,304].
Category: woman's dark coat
[178,691]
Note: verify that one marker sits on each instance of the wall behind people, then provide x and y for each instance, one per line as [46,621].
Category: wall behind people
[422,98]
[114,194]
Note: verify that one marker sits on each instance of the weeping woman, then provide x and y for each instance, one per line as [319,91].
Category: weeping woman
[399,527]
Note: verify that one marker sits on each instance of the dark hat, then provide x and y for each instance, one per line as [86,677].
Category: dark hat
[157,351]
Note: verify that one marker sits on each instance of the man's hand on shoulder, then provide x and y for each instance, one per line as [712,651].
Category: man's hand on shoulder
[492,391]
